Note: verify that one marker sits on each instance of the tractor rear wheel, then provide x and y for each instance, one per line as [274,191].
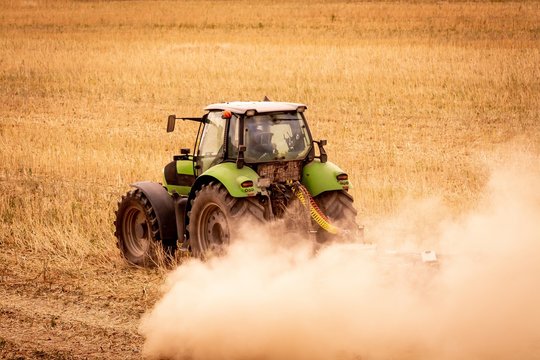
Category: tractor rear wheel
[137,230]
[215,219]
[338,207]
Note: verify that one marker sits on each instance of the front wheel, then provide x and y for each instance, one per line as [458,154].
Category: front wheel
[137,230]
[215,219]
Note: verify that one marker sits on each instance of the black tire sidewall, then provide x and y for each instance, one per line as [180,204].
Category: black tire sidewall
[338,207]
[130,202]
[211,194]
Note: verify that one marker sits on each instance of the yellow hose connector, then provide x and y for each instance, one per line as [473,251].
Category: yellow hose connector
[316,214]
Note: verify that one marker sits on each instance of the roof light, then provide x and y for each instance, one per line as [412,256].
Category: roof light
[301,109]
[251,112]
[226,114]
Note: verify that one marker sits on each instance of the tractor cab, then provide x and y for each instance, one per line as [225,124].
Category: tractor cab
[269,131]
[247,133]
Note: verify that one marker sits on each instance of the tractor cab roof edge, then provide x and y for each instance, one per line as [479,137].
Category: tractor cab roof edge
[240,107]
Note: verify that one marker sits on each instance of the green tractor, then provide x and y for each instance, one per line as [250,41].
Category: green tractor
[253,163]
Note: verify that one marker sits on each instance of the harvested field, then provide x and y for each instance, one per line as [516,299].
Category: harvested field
[417,100]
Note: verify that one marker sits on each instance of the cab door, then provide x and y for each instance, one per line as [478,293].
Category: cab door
[211,146]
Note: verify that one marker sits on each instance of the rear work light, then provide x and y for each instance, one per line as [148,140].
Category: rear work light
[247,184]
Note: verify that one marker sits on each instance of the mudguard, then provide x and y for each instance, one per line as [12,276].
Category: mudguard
[231,177]
[163,205]
[319,177]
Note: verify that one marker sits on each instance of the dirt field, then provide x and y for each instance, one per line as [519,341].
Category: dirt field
[83,312]
[413,98]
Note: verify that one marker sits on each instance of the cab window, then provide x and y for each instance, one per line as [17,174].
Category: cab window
[232,150]
[276,136]
[211,149]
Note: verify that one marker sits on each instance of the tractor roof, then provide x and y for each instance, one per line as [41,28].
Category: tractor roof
[240,107]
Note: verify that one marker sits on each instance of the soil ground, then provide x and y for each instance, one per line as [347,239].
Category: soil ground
[53,314]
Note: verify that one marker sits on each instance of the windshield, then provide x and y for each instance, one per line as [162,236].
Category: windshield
[277,136]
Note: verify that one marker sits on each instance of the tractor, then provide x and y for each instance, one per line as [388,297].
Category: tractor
[253,162]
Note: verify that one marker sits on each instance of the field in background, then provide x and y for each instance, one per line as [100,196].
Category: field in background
[411,97]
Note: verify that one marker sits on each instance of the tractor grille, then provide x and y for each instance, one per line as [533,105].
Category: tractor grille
[281,172]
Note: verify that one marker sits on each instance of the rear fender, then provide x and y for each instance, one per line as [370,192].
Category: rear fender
[319,177]
[163,205]
[231,177]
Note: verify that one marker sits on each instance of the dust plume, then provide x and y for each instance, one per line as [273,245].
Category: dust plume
[351,301]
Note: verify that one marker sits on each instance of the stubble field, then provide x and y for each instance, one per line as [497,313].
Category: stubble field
[415,99]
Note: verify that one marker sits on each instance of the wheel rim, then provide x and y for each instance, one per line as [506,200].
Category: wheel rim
[213,229]
[136,232]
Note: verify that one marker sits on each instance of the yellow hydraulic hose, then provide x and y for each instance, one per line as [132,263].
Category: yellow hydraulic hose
[316,214]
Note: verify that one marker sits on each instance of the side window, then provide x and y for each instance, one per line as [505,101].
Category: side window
[211,145]
[232,151]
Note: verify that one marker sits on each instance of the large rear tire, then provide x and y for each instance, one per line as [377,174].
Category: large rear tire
[215,219]
[338,207]
[137,231]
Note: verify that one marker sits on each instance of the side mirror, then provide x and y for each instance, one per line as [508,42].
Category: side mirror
[185,151]
[171,121]
[323,142]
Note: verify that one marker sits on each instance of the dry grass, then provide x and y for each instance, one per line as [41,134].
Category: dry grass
[411,96]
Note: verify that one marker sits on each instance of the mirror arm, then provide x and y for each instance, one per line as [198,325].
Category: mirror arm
[171,121]
[322,152]
[240,159]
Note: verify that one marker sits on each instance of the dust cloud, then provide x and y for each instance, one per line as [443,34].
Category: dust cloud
[265,300]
